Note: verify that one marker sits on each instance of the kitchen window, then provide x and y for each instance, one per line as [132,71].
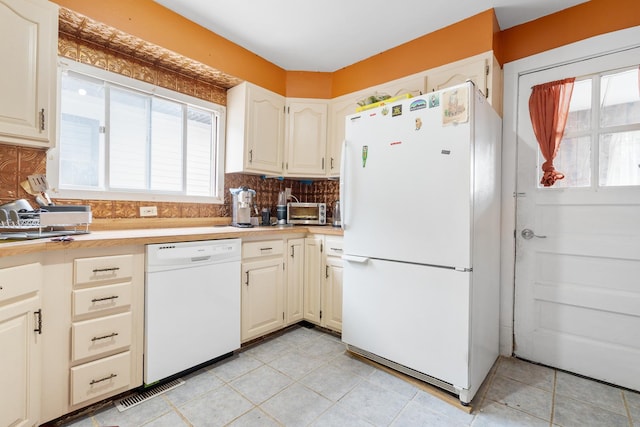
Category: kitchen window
[123,139]
[601,143]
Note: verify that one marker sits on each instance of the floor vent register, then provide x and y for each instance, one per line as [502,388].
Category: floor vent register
[136,399]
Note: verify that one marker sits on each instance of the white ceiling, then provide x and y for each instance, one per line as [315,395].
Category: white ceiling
[305,35]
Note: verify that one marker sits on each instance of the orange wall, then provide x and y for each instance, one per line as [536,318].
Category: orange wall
[458,41]
[480,33]
[580,22]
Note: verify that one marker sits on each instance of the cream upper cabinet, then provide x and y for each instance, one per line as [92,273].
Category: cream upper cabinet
[339,109]
[28,47]
[255,130]
[345,105]
[483,70]
[295,280]
[20,341]
[306,138]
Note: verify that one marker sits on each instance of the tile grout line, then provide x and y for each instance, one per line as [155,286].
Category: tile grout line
[553,396]
[626,407]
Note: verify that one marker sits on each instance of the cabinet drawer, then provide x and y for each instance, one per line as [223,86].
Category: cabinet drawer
[104,376]
[100,298]
[98,336]
[103,269]
[19,280]
[262,249]
[334,246]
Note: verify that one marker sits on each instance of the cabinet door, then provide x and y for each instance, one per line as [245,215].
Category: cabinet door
[19,363]
[339,110]
[332,294]
[28,72]
[265,131]
[306,139]
[295,280]
[451,75]
[312,278]
[262,297]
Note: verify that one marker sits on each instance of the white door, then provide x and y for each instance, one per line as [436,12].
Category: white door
[577,292]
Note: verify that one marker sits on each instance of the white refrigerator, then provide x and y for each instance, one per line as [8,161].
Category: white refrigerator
[420,195]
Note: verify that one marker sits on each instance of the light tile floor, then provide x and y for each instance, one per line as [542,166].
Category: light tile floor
[304,378]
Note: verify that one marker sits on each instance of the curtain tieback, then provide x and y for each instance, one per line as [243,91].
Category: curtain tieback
[551,175]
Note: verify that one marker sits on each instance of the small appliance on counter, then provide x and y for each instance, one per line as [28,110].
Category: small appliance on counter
[337,217]
[307,213]
[281,208]
[241,204]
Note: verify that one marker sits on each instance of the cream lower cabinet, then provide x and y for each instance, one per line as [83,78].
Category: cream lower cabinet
[294,307]
[20,341]
[28,48]
[95,349]
[332,287]
[262,284]
[323,281]
[313,248]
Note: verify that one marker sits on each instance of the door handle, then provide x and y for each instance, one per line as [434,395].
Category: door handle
[529,234]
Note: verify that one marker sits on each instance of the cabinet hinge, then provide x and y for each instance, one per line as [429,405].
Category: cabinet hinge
[102,129]
[321,247]
[42,127]
[326,271]
[283,266]
[320,314]
[38,321]
[283,315]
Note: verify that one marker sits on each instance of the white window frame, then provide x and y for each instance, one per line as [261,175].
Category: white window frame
[53,155]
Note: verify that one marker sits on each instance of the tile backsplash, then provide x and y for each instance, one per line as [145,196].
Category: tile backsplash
[17,163]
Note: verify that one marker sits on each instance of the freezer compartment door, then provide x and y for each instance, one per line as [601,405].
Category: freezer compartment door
[415,182]
[414,315]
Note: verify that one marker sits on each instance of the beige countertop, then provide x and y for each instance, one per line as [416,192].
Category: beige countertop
[111,238]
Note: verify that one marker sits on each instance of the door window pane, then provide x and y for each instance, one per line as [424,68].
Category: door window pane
[620,99]
[579,119]
[574,161]
[620,159]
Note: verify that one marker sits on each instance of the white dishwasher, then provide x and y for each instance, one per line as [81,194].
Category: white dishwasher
[192,305]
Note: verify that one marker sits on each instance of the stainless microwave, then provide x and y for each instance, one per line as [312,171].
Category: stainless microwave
[306,213]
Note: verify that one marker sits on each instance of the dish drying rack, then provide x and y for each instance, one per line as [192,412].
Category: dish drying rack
[77,220]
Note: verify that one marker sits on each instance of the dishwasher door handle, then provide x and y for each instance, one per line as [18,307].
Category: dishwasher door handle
[201,258]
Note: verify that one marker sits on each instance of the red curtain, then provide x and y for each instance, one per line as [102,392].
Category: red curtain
[549,108]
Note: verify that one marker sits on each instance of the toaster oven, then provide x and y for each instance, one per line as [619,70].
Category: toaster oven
[306,213]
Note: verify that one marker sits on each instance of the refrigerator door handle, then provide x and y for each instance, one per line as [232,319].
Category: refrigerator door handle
[353,258]
[343,180]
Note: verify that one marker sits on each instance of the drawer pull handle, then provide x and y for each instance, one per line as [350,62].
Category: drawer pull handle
[104,299]
[104,337]
[102,270]
[266,249]
[336,249]
[103,379]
